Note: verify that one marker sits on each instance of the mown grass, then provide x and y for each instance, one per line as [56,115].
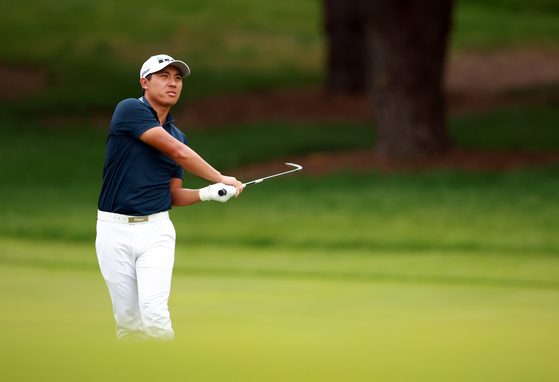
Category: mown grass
[56,326]
[301,330]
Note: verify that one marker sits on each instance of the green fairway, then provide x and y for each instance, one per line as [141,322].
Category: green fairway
[56,326]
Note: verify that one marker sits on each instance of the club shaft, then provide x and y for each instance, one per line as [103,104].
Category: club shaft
[267,177]
[275,175]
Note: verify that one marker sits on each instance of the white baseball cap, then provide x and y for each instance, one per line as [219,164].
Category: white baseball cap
[156,63]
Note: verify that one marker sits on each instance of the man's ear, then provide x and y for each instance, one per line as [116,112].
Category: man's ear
[144,83]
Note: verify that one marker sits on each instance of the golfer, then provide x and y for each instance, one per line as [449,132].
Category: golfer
[142,180]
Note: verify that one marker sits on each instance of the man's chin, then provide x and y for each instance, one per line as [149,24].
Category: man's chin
[166,100]
[171,101]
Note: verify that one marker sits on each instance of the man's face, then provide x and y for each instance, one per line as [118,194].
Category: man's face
[165,87]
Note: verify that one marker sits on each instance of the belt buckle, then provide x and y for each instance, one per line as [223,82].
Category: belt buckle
[138,219]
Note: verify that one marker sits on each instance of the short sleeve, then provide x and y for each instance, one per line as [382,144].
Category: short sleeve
[133,117]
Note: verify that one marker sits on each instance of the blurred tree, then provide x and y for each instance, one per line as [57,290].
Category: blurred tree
[347,58]
[406,44]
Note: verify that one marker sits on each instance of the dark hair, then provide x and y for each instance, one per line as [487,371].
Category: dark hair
[148,77]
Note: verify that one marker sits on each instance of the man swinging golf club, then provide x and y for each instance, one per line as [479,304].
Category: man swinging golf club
[142,179]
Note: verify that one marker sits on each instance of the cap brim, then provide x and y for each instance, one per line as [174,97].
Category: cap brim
[184,69]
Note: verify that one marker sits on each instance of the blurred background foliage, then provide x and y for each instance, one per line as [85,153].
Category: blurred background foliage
[91,51]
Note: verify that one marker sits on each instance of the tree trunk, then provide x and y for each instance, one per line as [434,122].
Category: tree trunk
[407,41]
[347,54]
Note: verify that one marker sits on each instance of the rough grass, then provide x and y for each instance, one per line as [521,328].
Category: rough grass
[54,187]
[481,26]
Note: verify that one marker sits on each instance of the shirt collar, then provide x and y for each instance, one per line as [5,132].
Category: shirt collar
[169,119]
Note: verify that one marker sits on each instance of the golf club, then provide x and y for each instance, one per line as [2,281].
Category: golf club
[296,167]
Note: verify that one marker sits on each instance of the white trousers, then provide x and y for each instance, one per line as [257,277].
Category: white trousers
[136,261]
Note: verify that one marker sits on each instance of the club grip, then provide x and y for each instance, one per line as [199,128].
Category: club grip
[222,192]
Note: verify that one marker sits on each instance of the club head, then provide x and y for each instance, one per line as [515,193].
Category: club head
[295,166]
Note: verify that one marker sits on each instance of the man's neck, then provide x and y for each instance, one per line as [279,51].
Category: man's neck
[162,111]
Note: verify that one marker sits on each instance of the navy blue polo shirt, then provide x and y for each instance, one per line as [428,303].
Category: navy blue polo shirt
[136,176]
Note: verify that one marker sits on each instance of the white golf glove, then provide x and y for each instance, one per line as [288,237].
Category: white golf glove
[219,192]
